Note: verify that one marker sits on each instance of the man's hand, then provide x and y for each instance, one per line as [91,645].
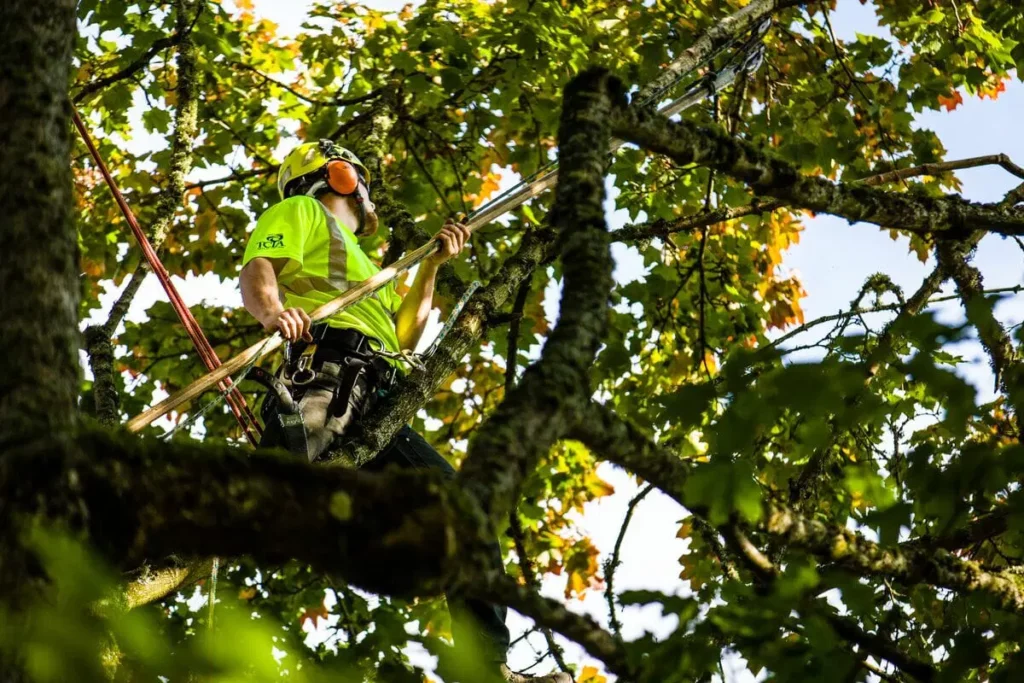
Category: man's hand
[292,323]
[453,238]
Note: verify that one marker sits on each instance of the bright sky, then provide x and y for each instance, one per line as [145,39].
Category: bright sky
[833,259]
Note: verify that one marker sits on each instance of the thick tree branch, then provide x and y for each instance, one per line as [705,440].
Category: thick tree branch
[555,391]
[151,584]
[106,400]
[851,551]
[663,228]
[1003,357]
[870,643]
[392,534]
[686,143]
[38,273]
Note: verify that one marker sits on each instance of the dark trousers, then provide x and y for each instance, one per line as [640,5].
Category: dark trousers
[473,621]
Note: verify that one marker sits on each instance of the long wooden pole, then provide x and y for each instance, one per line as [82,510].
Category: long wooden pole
[367,287]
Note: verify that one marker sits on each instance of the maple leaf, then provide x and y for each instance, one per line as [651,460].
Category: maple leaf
[951,102]
[314,614]
[993,90]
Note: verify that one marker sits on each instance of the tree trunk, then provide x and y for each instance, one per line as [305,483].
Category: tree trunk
[38,277]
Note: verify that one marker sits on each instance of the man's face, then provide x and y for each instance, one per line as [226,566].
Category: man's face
[370,226]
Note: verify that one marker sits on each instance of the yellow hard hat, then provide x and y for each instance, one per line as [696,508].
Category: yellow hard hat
[312,157]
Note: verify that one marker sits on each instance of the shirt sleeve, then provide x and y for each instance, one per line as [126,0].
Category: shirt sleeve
[282,230]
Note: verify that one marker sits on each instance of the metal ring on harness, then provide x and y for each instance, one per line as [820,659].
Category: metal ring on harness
[303,373]
[302,377]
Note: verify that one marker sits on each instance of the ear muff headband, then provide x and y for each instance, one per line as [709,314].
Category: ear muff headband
[342,177]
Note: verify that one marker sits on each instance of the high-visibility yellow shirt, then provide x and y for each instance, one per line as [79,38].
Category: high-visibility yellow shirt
[324,260]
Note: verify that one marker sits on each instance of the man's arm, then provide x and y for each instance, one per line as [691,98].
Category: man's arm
[412,315]
[258,282]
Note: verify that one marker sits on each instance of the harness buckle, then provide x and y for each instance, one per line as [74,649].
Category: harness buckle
[303,373]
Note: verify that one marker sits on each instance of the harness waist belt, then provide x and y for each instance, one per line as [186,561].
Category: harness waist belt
[335,344]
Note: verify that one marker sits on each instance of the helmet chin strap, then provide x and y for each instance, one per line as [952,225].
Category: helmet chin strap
[362,213]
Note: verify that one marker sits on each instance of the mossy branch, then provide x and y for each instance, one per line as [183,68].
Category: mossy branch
[186,124]
[769,176]
[554,391]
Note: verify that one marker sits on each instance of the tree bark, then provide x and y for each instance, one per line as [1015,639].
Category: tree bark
[39,337]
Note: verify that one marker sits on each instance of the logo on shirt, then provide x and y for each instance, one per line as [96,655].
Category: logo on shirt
[271,242]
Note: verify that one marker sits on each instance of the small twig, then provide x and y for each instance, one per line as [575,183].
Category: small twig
[613,563]
[336,102]
[526,566]
[945,167]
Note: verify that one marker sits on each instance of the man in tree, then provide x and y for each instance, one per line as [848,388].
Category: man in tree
[303,253]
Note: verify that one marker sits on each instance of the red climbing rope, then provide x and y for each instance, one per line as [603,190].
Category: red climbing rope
[234,397]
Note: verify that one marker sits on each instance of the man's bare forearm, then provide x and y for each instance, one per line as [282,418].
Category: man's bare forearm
[258,282]
[259,290]
[412,316]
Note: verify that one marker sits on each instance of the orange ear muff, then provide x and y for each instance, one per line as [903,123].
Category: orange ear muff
[342,177]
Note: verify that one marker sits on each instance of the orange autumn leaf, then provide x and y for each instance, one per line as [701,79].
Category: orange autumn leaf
[590,675]
[583,569]
[490,186]
[951,102]
[314,614]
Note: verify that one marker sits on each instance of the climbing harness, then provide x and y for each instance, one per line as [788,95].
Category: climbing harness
[748,58]
[327,385]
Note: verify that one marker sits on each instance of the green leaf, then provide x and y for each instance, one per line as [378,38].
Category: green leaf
[724,488]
